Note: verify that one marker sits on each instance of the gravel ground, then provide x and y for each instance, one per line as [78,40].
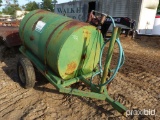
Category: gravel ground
[137,86]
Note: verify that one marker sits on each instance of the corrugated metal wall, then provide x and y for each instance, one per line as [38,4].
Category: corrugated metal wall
[121,8]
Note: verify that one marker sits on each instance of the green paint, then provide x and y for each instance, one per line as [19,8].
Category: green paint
[59,43]
[67,46]
[115,34]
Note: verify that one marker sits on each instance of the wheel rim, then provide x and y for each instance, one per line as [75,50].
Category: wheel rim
[22,74]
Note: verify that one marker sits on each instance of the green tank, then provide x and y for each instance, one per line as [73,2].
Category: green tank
[68,47]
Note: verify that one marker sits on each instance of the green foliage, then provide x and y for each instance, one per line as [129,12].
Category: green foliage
[15,1]
[54,1]
[158,9]
[0,2]
[31,6]
[11,9]
[48,4]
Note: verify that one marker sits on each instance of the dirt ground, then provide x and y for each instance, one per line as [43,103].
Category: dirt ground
[137,86]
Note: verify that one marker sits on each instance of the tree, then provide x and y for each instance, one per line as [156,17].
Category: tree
[15,1]
[31,6]
[158,9]
[48,4]
[54,3]
[11,8]
[0,2]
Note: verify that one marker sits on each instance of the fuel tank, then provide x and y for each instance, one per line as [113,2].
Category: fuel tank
[68,47]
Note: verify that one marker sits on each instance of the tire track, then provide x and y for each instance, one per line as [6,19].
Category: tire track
[20,104]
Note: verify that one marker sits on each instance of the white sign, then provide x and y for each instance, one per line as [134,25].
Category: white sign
[74,10]
[40,25]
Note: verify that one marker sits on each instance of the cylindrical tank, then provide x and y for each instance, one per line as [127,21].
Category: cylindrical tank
[68,47]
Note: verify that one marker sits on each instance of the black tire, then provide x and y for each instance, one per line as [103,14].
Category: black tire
[26,73]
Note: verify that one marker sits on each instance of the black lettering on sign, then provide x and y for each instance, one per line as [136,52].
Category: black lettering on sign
[64,11]
[59,10]
[72,10]
[78,10]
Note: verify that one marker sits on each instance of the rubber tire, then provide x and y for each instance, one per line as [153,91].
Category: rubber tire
[26,73]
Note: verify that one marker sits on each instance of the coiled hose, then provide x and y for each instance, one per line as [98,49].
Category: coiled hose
[120,62]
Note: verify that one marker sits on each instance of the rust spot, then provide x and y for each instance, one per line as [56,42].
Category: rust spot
[38,11]
[86,34]
[71,68]
[50,36]
[83,57]
[74,23]
[10,35]
[32,38]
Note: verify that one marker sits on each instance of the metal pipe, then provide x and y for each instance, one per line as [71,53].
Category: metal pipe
[108,59]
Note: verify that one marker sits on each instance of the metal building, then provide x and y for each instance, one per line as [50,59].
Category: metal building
[142,11]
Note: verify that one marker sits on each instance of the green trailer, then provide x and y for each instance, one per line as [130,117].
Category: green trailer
[66,52]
